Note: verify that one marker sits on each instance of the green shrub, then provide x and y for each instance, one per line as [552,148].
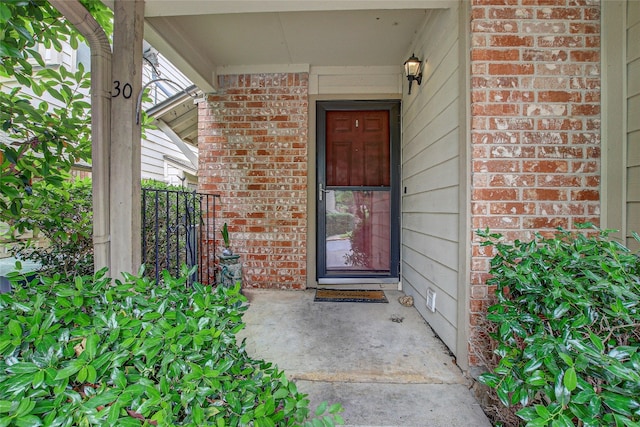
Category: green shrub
[170,232]
[64,218]
[134,353]
[339,223]
[567,323]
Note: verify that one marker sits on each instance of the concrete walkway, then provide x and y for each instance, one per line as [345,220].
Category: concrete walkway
[380,361]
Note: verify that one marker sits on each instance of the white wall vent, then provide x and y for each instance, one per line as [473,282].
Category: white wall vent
[431,300]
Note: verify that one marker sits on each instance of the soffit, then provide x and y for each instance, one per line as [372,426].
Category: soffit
[320,38]
[201,37]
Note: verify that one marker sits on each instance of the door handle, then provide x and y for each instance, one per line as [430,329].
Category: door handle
[321,191]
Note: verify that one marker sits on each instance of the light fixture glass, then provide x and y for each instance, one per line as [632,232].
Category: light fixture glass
[413,70]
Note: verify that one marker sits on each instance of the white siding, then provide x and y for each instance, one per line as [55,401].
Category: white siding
[431,177]
[155,146]
[633,121]
[356,80]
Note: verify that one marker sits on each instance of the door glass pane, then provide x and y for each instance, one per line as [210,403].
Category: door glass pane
[358,234]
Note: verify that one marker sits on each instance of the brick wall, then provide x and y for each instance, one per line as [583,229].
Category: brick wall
[535,69]
[253,152]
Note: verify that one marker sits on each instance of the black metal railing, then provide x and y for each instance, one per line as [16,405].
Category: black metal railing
[178,227]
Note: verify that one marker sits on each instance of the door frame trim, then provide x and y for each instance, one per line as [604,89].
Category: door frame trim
[394,108]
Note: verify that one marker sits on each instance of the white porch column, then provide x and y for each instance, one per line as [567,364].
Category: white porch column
[125,218]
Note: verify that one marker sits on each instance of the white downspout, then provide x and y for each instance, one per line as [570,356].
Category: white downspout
[80,18]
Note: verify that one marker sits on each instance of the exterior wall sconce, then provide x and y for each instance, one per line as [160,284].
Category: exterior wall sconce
[413,70]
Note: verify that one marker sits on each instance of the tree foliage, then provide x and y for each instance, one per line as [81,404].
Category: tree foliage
[44,115]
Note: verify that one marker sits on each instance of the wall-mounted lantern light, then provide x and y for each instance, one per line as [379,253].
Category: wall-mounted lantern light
[413,70]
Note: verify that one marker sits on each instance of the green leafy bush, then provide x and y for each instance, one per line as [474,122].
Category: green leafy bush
[567,324]
[135,353]
[170,230]
[63,219]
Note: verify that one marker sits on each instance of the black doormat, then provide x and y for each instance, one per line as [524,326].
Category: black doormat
[338,295]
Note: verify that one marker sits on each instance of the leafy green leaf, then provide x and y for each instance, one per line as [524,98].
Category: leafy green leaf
[14,328]
[5,406]
[570,380]
[71,368]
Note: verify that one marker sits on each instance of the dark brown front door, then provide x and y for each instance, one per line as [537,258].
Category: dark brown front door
[357,216]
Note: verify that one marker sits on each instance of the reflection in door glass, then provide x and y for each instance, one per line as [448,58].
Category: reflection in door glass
[358,236]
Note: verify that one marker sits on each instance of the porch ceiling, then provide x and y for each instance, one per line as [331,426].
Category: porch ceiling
[203,38]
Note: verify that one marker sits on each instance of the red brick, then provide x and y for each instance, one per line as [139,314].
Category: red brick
[495,109]
[592,14]
[511,95]
[592,181]
[494,26]
[510,69]
[585,195]
[584,28]
[559,13]
[585,167]
[559,181]
[494,194]
[585,55]
[496,166]
[479,291]
[512,208]
[544,27]
[512,180]
[496,222]
[559,96]
[560,41]
[545,55]
[559,124]
[514,123]
[478,96]
[592,41]
[495,54]
[545,166]
[510,12]
[544,194]
[479,208]
[544,2]
[478,306]
[512,151]
[585,109]
[563,152]
[591,96]
[510,41]
[495,138]
[537,223]
[561,209]
[482,251]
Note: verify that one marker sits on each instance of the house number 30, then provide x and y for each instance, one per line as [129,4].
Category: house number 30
[121,89]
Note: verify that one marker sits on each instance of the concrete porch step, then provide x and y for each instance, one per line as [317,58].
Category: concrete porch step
[381,362]
[406,405]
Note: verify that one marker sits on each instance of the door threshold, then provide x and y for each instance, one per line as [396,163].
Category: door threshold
[361,286]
